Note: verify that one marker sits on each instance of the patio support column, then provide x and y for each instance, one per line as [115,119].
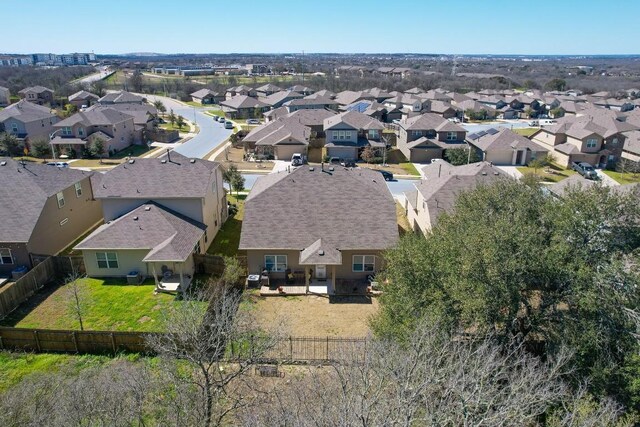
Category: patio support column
[333,279]
[306,278]
[155,276]
[181,273]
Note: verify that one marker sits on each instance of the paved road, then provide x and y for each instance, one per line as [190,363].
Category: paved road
[211,132]
[101,74]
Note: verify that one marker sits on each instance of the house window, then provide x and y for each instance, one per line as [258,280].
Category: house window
[5,256]
[80,132]
[335,135]
[364,262]
[373,133]
[416,132]
[107,259]
[60,198]
[341,134]
[196,250]
[14,127]
[78,189]
[205,236]
[67,131]
[452,136]
[347,134]
[614,141]
[592,143]
[275,262]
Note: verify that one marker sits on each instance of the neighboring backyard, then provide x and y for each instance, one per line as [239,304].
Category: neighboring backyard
[227,240]
[106,304]
[312,315]
[526,131]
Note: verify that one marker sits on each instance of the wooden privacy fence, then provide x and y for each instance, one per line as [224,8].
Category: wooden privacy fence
[292,349]
[14,294]
[65,341]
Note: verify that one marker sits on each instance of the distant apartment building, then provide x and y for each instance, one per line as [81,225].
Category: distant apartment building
[47,59]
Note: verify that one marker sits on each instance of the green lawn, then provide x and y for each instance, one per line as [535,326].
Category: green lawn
[410,168]
[623,178]
[228,238]
[110,305]
[169,126]
[526,131]
[218,113]
[558,173]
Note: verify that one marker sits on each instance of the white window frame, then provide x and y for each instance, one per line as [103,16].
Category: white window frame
[67,131]
[373,133]
[78,188]
[6,253]
[277,260]
[347,134]
[80,132]
[592,143]
[108,263]
[416,132]
[335,135]
[452,136]
[363,262]
[196,249]
[341,134]
[60,198]
[14,127]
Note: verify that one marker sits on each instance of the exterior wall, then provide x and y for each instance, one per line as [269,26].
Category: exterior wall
[582,143]
[113,208]
[630,156]
[123,134]
[33,130]
[49,237]
[342,127]
[4,97]
[128,260]
[255,263]
[460,136]
[214,208]
[188,267]
[548,139]
[424,155]
[20,256]
[421,215]
[500,157]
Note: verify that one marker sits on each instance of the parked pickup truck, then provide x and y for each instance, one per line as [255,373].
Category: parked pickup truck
[584,169]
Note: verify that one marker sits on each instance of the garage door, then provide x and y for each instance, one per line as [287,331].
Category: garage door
[284,152]
[349,153]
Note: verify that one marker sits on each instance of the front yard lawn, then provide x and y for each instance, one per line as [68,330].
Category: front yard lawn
[526,131]
[623,178]
[227,240]
[169,126]
[554,173]
[110,304]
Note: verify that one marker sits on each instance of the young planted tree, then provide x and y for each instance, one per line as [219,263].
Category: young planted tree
[40,148]
[78,298]
[160,106]
[180,122]
[96,148]
[368,155]
[172,118]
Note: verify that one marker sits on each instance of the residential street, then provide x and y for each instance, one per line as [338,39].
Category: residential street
[211,132]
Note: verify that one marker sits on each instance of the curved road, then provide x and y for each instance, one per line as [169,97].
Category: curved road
[211,134]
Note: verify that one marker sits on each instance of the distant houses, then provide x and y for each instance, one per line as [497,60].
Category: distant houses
[28,121]
[37,94]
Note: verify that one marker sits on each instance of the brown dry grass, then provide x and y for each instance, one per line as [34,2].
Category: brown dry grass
[233,156]
[317,316]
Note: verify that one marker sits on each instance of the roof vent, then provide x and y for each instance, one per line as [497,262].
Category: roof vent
[496,173]
[321,252]
[331,168]
[132,161]
[3,163]
[135,218]
[484,174]
[192,161]
[147,208]
[312,169]
[163,161]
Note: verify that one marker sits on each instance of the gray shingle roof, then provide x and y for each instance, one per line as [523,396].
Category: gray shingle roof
[430,121]
[35,89]
[279,131]
[505,139]
[278,98]
[121,97]
[204,92]
[319,252]
[24,191]
[150,178]
[574,182]
[168,235]
[632,142]
[82,95]
[347,209]
[353,119]
[243,101]
[26,112]
[95,117]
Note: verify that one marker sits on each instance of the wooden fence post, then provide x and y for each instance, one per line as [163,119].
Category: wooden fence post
[75,341]
[327,358]
[113,343]
[290,348]
[35,336]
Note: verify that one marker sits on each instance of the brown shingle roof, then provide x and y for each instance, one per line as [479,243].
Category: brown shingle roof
[347,209]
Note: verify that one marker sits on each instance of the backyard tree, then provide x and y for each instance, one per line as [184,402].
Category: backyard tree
[159,106]
[234,178]
[508,257]
[10,145]
[77,297]
[180,122]
[199,332]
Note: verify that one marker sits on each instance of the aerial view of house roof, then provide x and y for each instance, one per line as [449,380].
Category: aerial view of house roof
[430,121]
[204,92]
[24,189]
[174,176]
[35,89]
[503,139]
[269,87]
[26,112]
[354,119]
[168,235]
[95,117]
[243,101]
[279,131]
[121,97]
[346,208]
[82,96]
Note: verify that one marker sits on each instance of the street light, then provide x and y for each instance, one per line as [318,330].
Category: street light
[51,135]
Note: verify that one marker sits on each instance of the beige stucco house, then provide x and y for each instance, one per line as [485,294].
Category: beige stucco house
[157,212]
[425,137]
[44,209]
[28,121]
[438,191]
[505,147]
[324,226]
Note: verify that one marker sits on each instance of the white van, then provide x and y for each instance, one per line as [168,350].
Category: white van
[547,122]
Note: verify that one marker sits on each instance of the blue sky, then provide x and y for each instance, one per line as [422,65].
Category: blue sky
[343,26]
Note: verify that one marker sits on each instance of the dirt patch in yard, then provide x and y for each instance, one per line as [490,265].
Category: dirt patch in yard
[235,156]
[312,315]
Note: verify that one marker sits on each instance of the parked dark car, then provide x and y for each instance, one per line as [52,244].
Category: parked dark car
[388,176]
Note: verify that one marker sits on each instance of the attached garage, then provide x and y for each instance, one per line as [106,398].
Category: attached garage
[284,152]
[342,152]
